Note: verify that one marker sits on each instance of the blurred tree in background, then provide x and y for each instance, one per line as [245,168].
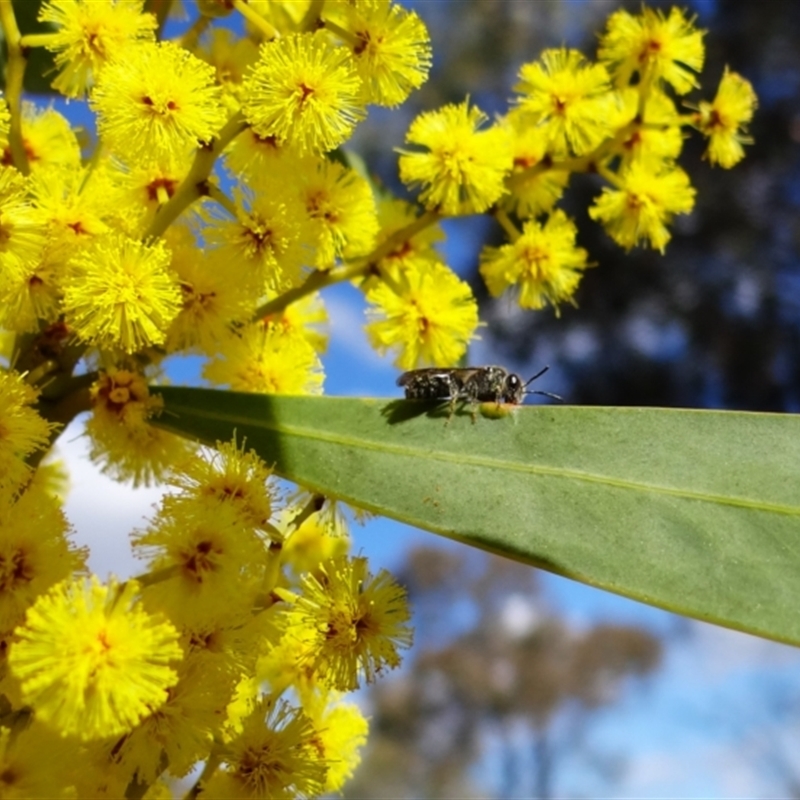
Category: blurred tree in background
[494,670]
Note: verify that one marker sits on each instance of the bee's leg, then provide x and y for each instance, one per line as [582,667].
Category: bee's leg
[451,410]
[453,389]
[472,397]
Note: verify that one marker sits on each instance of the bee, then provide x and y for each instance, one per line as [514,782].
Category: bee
[468,384]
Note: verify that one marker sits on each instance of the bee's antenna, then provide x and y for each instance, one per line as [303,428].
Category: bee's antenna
[548,394]
[536,391]
[537,375]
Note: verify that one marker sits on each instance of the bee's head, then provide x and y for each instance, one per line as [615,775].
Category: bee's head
[513,389]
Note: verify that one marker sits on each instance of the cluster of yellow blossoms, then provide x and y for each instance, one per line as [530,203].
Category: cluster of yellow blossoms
[214,207]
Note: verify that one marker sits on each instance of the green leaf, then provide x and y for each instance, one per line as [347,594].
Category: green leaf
[697,512]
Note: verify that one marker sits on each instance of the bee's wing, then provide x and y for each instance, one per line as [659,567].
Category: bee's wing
[463,374]
[409,376]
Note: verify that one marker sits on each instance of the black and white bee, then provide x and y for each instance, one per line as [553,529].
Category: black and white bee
[472,385]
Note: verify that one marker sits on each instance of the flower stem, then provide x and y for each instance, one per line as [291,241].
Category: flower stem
[216,194]
[37,40]
[194,185]
[63,411]
[344,35]
[192,35]
[211,766]
[254,18]
[313,506]
[15,73]
[312,18]
[508,226]
[161,9]
[322,278]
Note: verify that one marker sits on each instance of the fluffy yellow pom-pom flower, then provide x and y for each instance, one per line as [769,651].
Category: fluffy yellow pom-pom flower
[724,120]
[21,768]
[22,430]
[34,550]
[276,757]
[122,442]
[268,244]
[22,227]
[304,92]
[359,622]
[267,358]
[391,49]
[533,191]
[657,47]
[544,262]
[121,293]
[91,661]
[154,100]
[342,730]
[431,318]
[650,195]
[464,168]
[341,209]
[229,474]
[88,34]
[569,98]
[47,137]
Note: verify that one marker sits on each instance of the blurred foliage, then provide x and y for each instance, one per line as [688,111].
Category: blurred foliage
[494,669]
[716,321]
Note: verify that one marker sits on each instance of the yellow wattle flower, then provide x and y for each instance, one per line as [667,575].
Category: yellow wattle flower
[464,167]
[48,138]
[305,92]
[724,120]
[567,97]
[657,47]
[155,100]
[122,442]
[341,208]
[391,49]
[649,197]
[22,430]
[275,756]
[230,474]
[35,551]
[267,358]
[88,34]
[121,293]
[91,661]
[357,622]
[543,262]
[430,316]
